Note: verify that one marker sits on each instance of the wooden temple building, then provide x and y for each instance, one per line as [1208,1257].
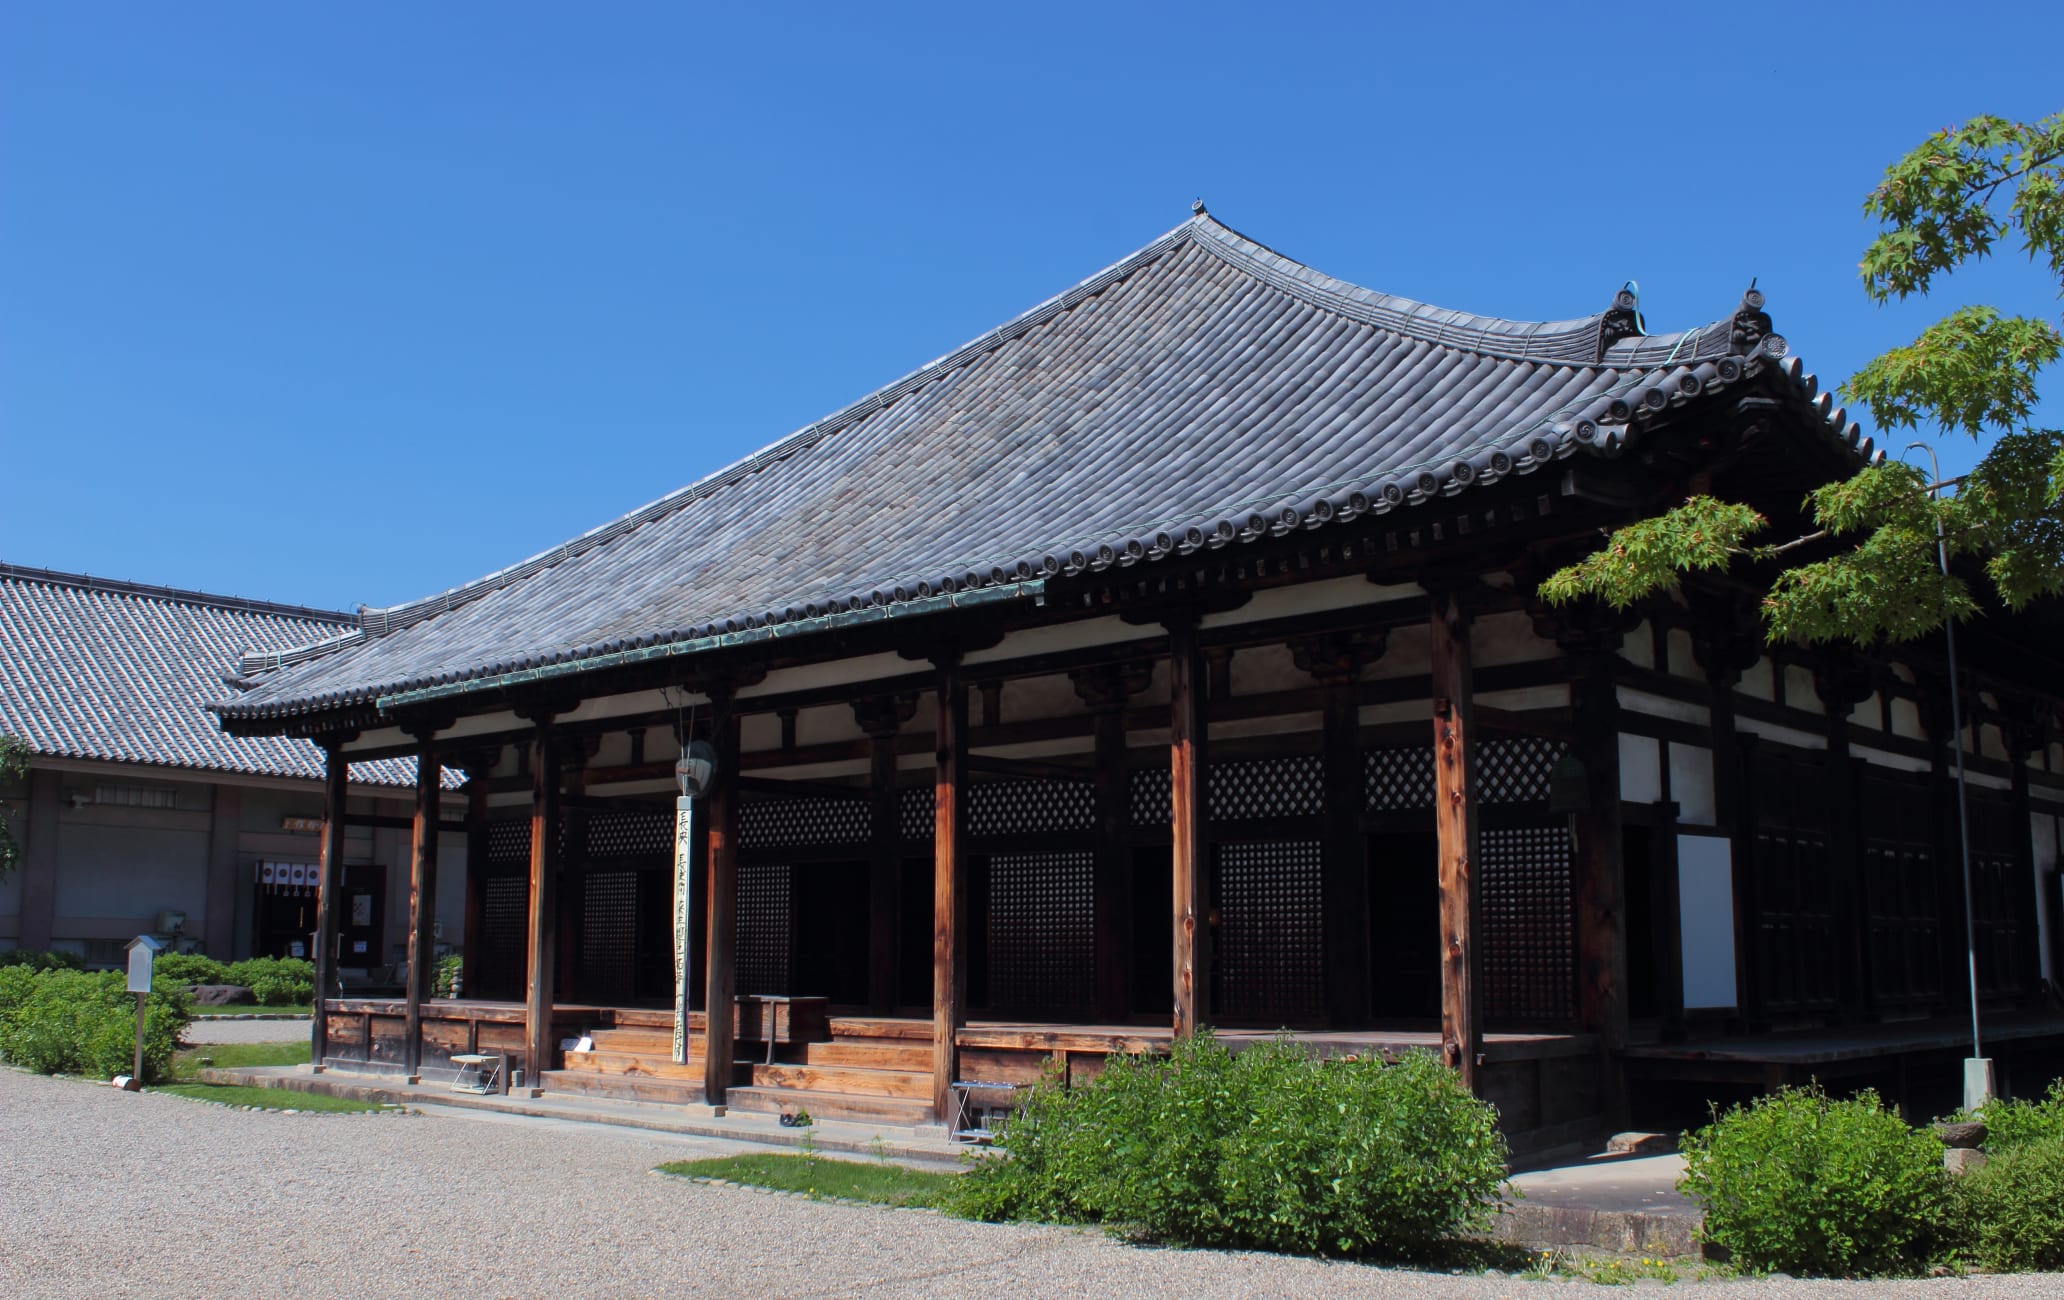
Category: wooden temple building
[1169,656]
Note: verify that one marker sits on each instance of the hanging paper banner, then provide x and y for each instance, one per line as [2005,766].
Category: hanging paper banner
[267,873]
[684,840]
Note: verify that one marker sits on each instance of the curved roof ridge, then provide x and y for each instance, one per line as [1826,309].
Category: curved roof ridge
[1565,342]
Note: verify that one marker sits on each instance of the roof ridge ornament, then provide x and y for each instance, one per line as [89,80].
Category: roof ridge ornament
[1751,325]
[1622,320]
[1197,207]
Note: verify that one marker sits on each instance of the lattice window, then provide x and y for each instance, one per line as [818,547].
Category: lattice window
[609,935]
[763,927]
[1042,931]
[915,813]
[1398,778]
[1290,786]
[508,841]
[1030,807]
[1269,962]
[1152,797]
[784,823]
[631,834]
[1515,769]
[1529,926]
[504,935]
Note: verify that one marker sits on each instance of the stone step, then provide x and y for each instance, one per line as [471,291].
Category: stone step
[872,1053]
[898,1111]
[620,1087]
[908,1084]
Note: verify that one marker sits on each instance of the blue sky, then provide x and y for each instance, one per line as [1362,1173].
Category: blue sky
[347,304]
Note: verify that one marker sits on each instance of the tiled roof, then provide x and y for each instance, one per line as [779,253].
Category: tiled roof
[1202,391]
[121,672]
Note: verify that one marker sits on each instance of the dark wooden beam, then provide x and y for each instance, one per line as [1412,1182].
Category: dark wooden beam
[1189,858]
[949,834]
[422,910]
[721,943]
[389,822]
[1029,769]
[544,905]
[329,884]
[1454,816]
[1601,879]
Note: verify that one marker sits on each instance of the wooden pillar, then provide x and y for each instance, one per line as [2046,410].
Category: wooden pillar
[1190,863]
[1601,876]
[544,904]
[1932,701]
[1841,687]
[949,868]
[1454,816]
[422,906]
[720,985]
[1105,690]
[477,775]
[880,718]
[329,883]
[39,860]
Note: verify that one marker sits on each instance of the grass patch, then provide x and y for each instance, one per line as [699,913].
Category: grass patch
[186,1063]
[878,1182]
[204,1012]
[230,1094]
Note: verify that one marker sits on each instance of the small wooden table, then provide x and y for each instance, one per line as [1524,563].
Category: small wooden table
[486,1070]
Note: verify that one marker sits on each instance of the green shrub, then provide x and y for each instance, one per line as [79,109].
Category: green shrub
[2012,1210]
[446,979]
[20,957]
[189,968]
[73,1022]
[1269,1148]
[1803,1183]
[275,981]
[2009,1124]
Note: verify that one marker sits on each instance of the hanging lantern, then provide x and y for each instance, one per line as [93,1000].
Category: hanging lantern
[696,767]
[1569,785]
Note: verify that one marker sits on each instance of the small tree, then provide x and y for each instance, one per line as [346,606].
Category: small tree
[14,765]
[1869,569]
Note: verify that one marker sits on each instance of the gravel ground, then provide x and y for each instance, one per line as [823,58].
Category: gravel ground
[210,1029]
[109,1193]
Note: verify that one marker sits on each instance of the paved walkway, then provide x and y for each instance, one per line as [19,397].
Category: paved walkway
[216,1029]
[116,1194]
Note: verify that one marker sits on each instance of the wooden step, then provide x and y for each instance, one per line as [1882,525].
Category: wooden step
[661,1019]
[899,1111]
[628,1065]
[643,1041]
[880,1027]
[619,1087]
[871,1053]
[859,1082]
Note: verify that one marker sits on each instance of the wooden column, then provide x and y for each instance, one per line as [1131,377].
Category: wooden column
[1841,687]
[1189,860]
[544,904]
[39,860]
[422,907]
[1105,690]
[949,868]
[329,883]
[1601,875]
[1335,662]
[478,772]
[880,718]
[1454,817]
[1932,701]
[720,985]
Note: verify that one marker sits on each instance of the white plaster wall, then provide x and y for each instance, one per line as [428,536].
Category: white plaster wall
[1868,713]
[1683,663]
[1783,735]
[1407,654]
[829,724]
[1641,772]
[1991,744]
[1638,647]
[1507,638]
[1661,706]
[1260,669]
[1906,719]
[1053,696]
[1897,762]
[1757,681]
[1705,894]
[1691,783]
[1555,695]
[1798,689]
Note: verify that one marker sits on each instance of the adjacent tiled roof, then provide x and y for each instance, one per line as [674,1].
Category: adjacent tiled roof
[118,671]
[1203,391]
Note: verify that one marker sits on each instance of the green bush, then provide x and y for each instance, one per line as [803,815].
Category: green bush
[446,979]
[2009,1124]
[275,981]
[2012,1209]
[73,1022]
[1269,1148]
[189,968]
[20,957]
[1803,1183]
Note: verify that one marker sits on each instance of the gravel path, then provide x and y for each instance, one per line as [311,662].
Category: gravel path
[210,1029]
[118,1194]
